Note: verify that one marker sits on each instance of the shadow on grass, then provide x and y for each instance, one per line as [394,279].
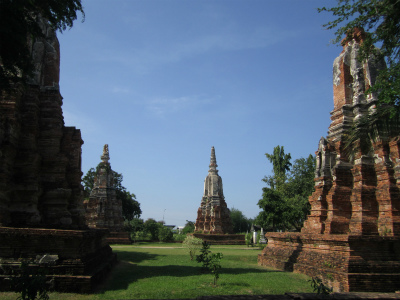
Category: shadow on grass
[136,257]
[128,271]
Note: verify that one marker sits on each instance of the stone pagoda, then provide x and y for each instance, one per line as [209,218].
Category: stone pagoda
[213,215]
[103,209]
[351,239]
[42,219]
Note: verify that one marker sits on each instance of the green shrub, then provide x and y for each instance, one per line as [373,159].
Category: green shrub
[319,287]
[248,239]
[210,261]
[179,237]
[192,244]
[165,234]
[31,284]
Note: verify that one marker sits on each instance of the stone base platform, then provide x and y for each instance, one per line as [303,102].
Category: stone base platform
[74,260]
[348,263]
[222,239]
[121,237]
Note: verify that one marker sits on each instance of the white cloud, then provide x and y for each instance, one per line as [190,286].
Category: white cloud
[120,90]
[155,52]
[164,106]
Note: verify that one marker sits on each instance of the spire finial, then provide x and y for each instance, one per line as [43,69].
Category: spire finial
[106,155]
[213,162]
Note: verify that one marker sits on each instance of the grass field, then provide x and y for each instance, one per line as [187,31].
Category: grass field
[165,271]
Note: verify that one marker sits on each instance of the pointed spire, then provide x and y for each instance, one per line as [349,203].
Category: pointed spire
[213,162]
[106,156]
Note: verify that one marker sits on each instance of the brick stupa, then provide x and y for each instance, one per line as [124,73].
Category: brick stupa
[213,215]
[42,219]
[103,209]
[351,238]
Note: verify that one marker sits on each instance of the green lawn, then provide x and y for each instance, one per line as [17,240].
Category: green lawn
[165,271]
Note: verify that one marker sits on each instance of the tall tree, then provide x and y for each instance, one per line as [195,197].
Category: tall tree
[284,203]
[381,21]
[281,164]
[299,187]
[19,25]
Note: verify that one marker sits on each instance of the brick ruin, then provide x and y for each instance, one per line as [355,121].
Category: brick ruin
[213,215]
[351,238]
[103,209]
[41,204]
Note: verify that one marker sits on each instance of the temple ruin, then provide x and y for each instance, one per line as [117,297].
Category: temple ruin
[103,209]
[351,239]
[41,204]
[213,215]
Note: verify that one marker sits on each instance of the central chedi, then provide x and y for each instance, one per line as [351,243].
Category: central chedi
[213,215]
[103,208]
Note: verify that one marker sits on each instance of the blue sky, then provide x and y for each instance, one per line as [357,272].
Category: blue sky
[162,81]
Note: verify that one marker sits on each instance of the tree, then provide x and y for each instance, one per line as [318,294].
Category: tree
[381,21]
[130,206]
[281,163]
[189,227]
[19,25]
[239,221]
[152,227]
[285,203]
[274,206]
[165,234]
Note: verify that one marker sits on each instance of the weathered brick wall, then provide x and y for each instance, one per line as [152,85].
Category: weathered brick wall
[78,254]
[352,236]
[40,182]
[40,167]
[338,259]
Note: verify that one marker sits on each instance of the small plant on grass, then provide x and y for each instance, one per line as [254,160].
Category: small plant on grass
[210,261]
[319,287]
[31,284]
[248,238]
[192,244]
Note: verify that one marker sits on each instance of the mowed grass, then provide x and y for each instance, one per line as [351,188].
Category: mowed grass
[165,271]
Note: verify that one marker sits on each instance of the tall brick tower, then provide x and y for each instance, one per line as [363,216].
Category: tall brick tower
[213,215]
[352,236]
[103,209]
[41,201]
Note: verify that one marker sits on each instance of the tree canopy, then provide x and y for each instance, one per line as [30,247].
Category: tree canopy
[284,202]
[239,221]
[19,24]
[130,207]
[381,21]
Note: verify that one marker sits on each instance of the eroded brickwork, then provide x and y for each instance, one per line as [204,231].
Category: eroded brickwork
[103,209]
[41,204]
[213,215]
[352,236]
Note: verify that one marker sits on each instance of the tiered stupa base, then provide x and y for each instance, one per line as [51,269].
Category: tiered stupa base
[222,239]
[348,263]
[75,261]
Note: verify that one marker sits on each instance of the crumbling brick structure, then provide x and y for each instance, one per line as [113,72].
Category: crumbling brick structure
[352,236]
[103,209]
[41,204]
[213,215]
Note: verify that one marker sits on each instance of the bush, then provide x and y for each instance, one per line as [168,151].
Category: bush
[192,244]
[30,283]
[248,239]
[165,234]
[179,237]
[210,261]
